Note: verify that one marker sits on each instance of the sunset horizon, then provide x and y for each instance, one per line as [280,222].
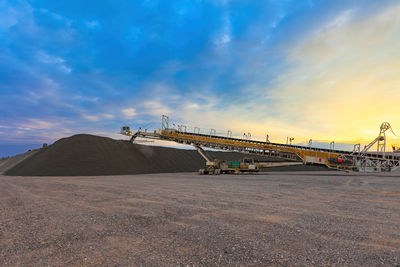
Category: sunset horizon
[321,70]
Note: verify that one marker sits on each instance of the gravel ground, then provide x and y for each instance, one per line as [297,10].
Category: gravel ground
[270,219]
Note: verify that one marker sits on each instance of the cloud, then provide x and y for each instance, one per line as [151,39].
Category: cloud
[108,116]
[313,70]
[342,81]
[10,18]
[87,98]
[223,39]
[220,2]
[341,20]
[129,112]
[11,15]
[39,124]
[48,59]
[91,117]
[45,58]
[155,107]
[225,35]
[191,106]
[93,24]
[96,118]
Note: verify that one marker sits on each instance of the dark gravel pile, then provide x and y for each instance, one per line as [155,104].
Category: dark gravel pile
[8,163]
[93,155]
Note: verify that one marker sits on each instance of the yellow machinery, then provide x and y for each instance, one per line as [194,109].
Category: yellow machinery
[216,166]
[356,160]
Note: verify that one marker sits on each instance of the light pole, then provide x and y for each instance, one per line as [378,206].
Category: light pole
[332,145]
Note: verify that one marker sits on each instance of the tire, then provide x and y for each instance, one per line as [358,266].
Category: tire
[201,171]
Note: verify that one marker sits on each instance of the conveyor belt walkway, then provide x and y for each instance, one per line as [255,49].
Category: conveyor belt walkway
[337,159]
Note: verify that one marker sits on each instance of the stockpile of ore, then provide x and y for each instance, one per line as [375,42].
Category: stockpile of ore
[9,162]
[93,155]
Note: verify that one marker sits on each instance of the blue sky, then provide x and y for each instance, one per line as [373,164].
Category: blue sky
[309,69]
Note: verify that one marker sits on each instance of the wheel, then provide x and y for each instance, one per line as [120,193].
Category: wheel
[217,171]
[201,171]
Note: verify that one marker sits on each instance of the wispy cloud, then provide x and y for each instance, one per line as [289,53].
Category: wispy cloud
[339,84]
[108,116]
[320,70]
[101,117]
[92,117]
[341,20]
[225,35]
[58,61]
[39,124]
[155,107]
[93,24]
[342,80]
[129,112]
[12,14]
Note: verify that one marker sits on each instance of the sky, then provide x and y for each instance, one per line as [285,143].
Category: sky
[321,70]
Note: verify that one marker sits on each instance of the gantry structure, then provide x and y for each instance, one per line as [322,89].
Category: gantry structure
[364,160]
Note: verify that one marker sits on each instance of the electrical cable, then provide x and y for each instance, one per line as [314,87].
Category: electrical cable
[391,129]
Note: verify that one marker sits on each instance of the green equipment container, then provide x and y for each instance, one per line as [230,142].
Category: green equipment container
[233,164]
